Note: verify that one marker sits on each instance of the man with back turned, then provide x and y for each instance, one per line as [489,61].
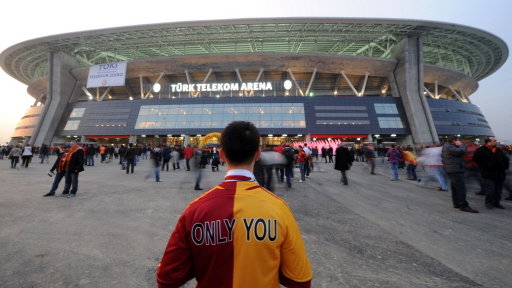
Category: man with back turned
[237,234]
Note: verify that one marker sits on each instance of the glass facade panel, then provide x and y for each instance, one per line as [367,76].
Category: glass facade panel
[381,108]
[390,122]
[77,113]
[263,115]
[72,125]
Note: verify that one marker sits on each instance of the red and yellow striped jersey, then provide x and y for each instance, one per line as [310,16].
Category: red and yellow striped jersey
[237,234]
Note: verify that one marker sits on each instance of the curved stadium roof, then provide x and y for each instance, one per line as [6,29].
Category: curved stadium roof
[472,51]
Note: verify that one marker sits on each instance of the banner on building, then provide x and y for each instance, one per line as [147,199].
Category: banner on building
[107,75]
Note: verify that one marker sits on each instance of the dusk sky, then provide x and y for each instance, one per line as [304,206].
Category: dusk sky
[31,19]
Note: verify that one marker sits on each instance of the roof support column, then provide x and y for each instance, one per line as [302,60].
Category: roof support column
[61,88]
[295,81]
[311,81]
[408,75]
[349,83]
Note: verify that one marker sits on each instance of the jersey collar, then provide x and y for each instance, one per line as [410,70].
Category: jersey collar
[239,175]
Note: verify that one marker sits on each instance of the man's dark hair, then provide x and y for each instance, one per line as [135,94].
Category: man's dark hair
[488,139]
[452,139]
[240,141]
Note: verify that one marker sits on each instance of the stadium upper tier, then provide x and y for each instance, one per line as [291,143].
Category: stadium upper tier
[471,51]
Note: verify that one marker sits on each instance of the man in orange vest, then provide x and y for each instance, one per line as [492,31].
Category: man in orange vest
[74,165]
[60,166]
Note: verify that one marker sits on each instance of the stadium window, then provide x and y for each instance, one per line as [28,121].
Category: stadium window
[72,125]
[77,113]
[390,122]
[381,108]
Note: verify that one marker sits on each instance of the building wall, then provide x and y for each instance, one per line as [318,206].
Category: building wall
[120,117]
[454,117]
[321,115]
[28,123]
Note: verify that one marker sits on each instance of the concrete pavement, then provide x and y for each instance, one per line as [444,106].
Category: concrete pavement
[372,233]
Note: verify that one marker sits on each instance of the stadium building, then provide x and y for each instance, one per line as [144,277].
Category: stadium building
[373,80]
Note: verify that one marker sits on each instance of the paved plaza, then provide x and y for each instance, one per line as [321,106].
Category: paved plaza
[372,233]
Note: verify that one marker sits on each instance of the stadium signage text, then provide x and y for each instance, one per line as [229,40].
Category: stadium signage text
[219,87]
[107,75]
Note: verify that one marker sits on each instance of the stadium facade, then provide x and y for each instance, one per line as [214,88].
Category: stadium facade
[374,80]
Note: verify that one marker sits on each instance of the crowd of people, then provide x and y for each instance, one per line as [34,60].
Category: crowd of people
[449,166]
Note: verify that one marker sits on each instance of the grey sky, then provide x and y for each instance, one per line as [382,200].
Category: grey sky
[26,20]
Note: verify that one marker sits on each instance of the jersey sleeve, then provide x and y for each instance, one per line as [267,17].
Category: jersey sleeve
[295,270]
[176,266]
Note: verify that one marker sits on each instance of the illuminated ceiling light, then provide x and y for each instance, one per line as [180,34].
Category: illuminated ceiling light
[358,138]
[143,136]
[314,139]
[377,135]
[299,135]
[311,94]
[270,135]
[335,92]
[287,84]
[173,97]
[285,135]
[359,94]
[157,87]
[131,98]
[182,135]
[90,97]
[217,96]
[393,135]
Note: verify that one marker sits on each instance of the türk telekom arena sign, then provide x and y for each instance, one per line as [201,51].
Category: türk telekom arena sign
[220,87]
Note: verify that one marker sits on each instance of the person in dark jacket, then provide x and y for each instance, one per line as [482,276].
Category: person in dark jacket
[452,156]
[492,163]
[60,167]
[130,155]
[74,165]
[343,161]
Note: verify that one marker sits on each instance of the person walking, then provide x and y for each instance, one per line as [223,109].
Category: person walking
[189,153]
[369,155]
[257,242]
[302,161]
[156,157]
[14,155]
[343,161]
[26,155]
[130,156]
[430,159]
[330,154]
[166,157]
[453,164]
[44,153]
[492,163]
[394,156]
[409,157]
[289,154]
[175,158]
